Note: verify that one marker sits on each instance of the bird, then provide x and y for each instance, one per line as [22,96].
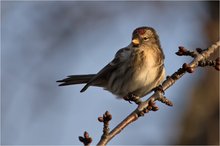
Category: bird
[135,71]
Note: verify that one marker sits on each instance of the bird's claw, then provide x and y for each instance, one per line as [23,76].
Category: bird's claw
[160,89]
[131,97]
[152,106]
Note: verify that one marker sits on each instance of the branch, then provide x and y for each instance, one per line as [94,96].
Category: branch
[199,56]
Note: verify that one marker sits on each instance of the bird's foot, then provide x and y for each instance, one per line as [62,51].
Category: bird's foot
[131,97]
[160,89]
[152,106]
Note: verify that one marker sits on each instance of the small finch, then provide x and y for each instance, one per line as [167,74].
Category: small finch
[135,70]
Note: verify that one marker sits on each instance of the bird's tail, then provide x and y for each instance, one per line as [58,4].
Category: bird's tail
[76,79]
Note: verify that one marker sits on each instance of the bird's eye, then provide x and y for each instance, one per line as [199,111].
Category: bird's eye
[146,39]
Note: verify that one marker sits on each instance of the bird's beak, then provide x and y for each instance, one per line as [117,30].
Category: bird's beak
[135,41]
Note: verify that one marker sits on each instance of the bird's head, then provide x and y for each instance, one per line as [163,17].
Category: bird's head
[144,35]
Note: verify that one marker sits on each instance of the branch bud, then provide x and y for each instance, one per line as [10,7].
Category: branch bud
[188,68]
[100,119]
[181,51]
[86,134]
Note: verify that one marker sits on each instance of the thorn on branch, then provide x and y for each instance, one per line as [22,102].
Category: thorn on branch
[86,140]
[105,119]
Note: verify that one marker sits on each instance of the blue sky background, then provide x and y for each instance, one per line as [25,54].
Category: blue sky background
[42,42]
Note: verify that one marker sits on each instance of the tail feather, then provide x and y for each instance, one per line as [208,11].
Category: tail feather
[76,79]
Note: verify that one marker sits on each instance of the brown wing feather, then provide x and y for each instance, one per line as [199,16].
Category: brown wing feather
[100,76]
[104,74]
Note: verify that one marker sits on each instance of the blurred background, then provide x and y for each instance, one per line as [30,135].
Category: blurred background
[42,42]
